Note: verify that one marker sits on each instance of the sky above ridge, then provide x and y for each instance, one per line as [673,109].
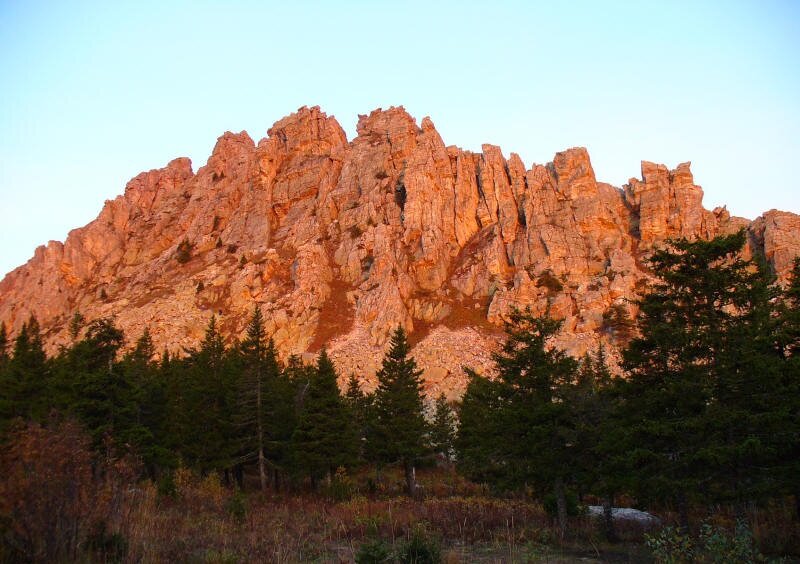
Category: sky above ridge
[95,92]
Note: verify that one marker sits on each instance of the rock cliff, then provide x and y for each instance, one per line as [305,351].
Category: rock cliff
[339,241]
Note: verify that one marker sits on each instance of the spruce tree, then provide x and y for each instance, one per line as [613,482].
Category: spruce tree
[443,429]
[75,325]
[353,394]
[480,431]
[103,398]
[788,341]
[149,395]
[537,424]
[324,438]
[400,429]
[260,363]
[3,345]
[744,416]
[788,466]
[357,403]
[597,466]
[27,386]
[698,403]
[209,389]
[5,381]
[283,415]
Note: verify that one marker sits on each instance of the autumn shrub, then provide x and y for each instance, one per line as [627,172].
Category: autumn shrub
[341,487]
[199,493]
[56,496]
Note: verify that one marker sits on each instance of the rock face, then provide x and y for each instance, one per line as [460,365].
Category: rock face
[340,241]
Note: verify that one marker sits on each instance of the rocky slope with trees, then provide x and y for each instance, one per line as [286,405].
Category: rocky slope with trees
[339,241]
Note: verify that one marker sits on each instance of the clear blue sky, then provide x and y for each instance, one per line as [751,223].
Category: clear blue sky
[93,93]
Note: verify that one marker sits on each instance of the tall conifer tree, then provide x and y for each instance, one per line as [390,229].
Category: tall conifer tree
[27,375]
[325,437]
[260,364]
[399,430]
[537,380]
[443,428]
[700,396]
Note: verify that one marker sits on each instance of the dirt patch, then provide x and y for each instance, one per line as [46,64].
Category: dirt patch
[471,313]
[336,317]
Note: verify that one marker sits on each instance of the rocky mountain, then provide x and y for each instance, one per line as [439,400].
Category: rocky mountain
[339,241]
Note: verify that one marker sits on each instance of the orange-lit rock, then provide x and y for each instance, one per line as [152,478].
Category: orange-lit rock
[339,242]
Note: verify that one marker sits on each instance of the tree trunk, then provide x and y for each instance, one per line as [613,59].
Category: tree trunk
[608,518]
[561,505]
[262,474]
[239,476]
[411,478]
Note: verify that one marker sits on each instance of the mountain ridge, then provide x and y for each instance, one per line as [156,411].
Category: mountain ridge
[339,241]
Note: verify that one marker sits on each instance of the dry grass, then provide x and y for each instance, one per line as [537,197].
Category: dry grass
[199,525]
[203,521]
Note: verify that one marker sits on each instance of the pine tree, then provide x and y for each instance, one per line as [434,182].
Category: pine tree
[788,438]
[75,325]
[357,403]
[5,381]
[443,428]
[536,382]
[399,430]
[144,350]
[283,415]
[3,345]
[27,383]
[697,400]
[102,396]
[744,415]
[207,392]
[324,439]
[260,364]
[592,402]
[789,321]
[480,430]
[354,395]
[149,396]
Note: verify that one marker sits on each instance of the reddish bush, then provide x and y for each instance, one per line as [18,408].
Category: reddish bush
[54,495]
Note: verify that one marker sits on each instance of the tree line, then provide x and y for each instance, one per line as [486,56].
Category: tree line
[705,409]
[223,408]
